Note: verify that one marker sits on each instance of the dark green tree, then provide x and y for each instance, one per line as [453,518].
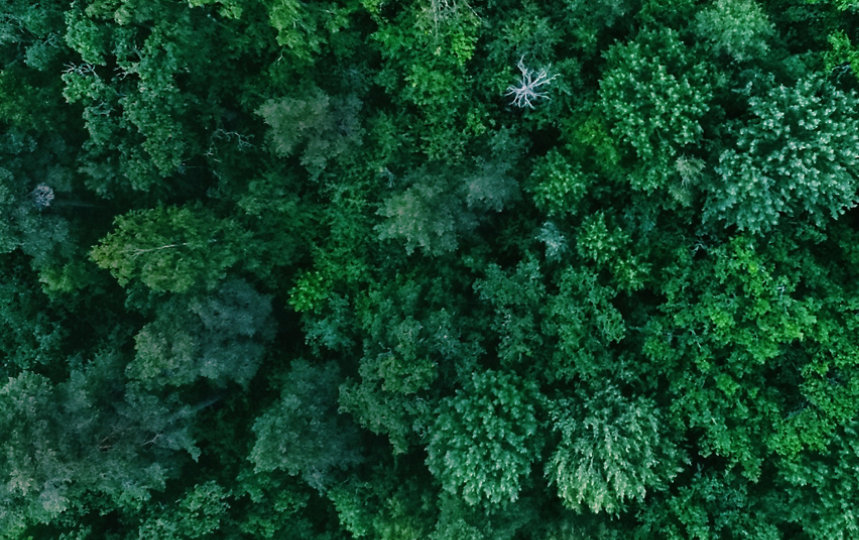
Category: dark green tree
[220,337]
[302,433]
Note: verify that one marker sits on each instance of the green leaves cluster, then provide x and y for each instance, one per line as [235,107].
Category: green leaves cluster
[795,156]
[299,269]
[611,450]
[655,94]
[173,249]
[485,438]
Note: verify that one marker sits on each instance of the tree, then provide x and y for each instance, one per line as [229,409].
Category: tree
[842,5]
[516,299]
[32,333]
[416,73]
[596,20]
[302,433]
[36,478]
[198,514]
[559,184]
[220,337]
[655,93]
[795,156]
[530,86]
[425,215]
[821,506]
[88,438]
[267,270]
[405,339]
[262,500]
[443,204]
[324,127]
[485,438]
[610,248]
[737,28]
[587,325]
[762,374]
[715,503]
[612,450]
[305,28]
[170,249]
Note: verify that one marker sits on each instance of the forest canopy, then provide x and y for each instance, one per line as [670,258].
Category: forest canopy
[429,269]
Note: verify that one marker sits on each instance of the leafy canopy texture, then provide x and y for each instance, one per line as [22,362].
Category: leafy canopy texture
[429,269]
[796,156]
[655,94]
[611,452]
[484,439]
[302,432]
[170,249]
[220,337]
[737,28]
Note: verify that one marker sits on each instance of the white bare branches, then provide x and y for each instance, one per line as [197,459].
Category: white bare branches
[528,90]
[81,69]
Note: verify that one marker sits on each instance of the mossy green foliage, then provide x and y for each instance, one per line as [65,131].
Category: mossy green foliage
[294,269]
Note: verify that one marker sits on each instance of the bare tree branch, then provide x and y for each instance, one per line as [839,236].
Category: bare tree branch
[527,91]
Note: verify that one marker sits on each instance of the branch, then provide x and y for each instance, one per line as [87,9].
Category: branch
[139,251]
[527,91]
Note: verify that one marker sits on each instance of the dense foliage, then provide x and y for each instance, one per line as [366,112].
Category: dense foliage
[442,269]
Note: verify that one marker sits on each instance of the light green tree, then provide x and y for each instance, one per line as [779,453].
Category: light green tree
[485,438]
[795,156]
[173,249]
[612,450]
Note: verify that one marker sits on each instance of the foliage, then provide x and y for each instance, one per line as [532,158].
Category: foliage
[425,217]
[795,156]
[738,28]
[429,269]
[90,436]
[611,452]
[484,438]
[586,324]
[402,350]
[302,433]
[221,338]
[31,334]
[651,94]
[324,127]
[559,184]
[170,249]
[515,301]
[196,515]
